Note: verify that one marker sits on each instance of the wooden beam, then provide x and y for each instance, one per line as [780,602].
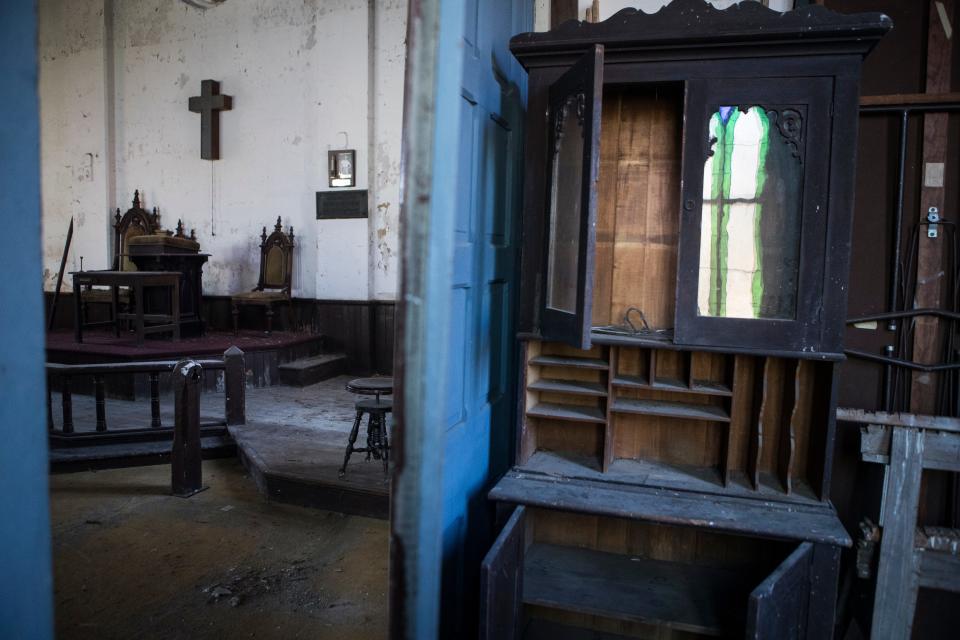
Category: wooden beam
[927,334]
[907,100]
[561,11]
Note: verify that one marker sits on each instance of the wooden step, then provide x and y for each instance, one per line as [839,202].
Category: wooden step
[307,371]
[571,412]
[568,361]
[573,387]
[668,409]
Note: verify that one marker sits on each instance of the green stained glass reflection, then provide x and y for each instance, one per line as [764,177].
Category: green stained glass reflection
[750,222]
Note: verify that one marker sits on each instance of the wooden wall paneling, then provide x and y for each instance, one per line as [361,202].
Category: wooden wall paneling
[561,11]
[741,415]
[564,528]
[648,191]
[606,209]
[672,366]
[580,439]
[788,417]
[928,331]
[608,433]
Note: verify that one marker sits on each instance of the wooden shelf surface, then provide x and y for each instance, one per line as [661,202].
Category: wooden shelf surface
[540,629]
[699,387]
[570,361]
[662,475]
[754,516]
[686,597]
[569,412]
[668,409]
[573,387]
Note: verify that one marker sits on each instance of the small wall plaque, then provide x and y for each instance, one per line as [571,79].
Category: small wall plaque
[342,163]
[332,205]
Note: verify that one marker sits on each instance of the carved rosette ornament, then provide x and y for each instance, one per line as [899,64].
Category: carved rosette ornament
[790,124]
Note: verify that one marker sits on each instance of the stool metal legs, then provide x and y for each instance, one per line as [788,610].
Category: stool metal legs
[351,442]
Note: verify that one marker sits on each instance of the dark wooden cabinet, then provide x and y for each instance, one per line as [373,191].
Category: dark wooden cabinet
[686,233]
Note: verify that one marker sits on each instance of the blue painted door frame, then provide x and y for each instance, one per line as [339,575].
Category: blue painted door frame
[465,98]
[26,589]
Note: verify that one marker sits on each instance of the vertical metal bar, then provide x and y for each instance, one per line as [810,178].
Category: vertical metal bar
[898,218]
[185,457]
[67,403]
[155,399]
[101,404]
[888,380]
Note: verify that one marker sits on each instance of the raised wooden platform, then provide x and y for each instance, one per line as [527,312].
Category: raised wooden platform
[263,354]
[299,465]
[292,444]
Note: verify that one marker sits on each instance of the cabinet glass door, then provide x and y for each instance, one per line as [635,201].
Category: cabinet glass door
[754,213]
[574,160]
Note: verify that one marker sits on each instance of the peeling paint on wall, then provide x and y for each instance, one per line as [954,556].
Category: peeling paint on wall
[290,102]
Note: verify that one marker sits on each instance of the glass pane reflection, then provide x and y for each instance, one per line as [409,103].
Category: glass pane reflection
[751,218]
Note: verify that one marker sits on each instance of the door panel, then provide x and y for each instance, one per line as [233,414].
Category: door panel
[754,210]
[501,582]
[778,607]
[572,173]
[481,350]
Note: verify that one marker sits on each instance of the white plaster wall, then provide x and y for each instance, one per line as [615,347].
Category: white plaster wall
[72,136]
[389,60]
[299,72]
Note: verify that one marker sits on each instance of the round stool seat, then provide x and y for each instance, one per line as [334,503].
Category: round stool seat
[374,405]
[371,386]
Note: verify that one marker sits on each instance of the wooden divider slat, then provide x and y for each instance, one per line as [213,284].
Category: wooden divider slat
[608,435]
[787,444]
[761,389]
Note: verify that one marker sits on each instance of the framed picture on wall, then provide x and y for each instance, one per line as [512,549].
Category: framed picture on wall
[342,163]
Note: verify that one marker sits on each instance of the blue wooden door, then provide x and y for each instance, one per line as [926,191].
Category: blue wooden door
[481,349]
[26,581]
[456,357]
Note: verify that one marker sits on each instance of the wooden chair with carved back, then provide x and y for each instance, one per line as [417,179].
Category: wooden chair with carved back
[136,221]
[276,267]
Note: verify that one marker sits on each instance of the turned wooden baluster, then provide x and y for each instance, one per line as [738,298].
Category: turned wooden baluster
[67,403]
[155,399]
[101,404]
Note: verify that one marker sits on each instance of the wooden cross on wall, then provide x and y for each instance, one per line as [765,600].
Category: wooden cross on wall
[209,104]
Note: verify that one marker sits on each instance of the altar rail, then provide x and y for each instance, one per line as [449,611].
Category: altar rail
[66,434]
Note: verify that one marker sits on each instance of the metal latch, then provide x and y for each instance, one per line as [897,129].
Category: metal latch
[933,217]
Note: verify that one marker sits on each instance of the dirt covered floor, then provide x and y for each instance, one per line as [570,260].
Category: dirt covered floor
[130,561]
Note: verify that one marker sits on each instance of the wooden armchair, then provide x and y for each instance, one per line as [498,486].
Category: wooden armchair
[276,267]
[137,221]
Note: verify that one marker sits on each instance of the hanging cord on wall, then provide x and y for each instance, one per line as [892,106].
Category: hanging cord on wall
[947,401]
